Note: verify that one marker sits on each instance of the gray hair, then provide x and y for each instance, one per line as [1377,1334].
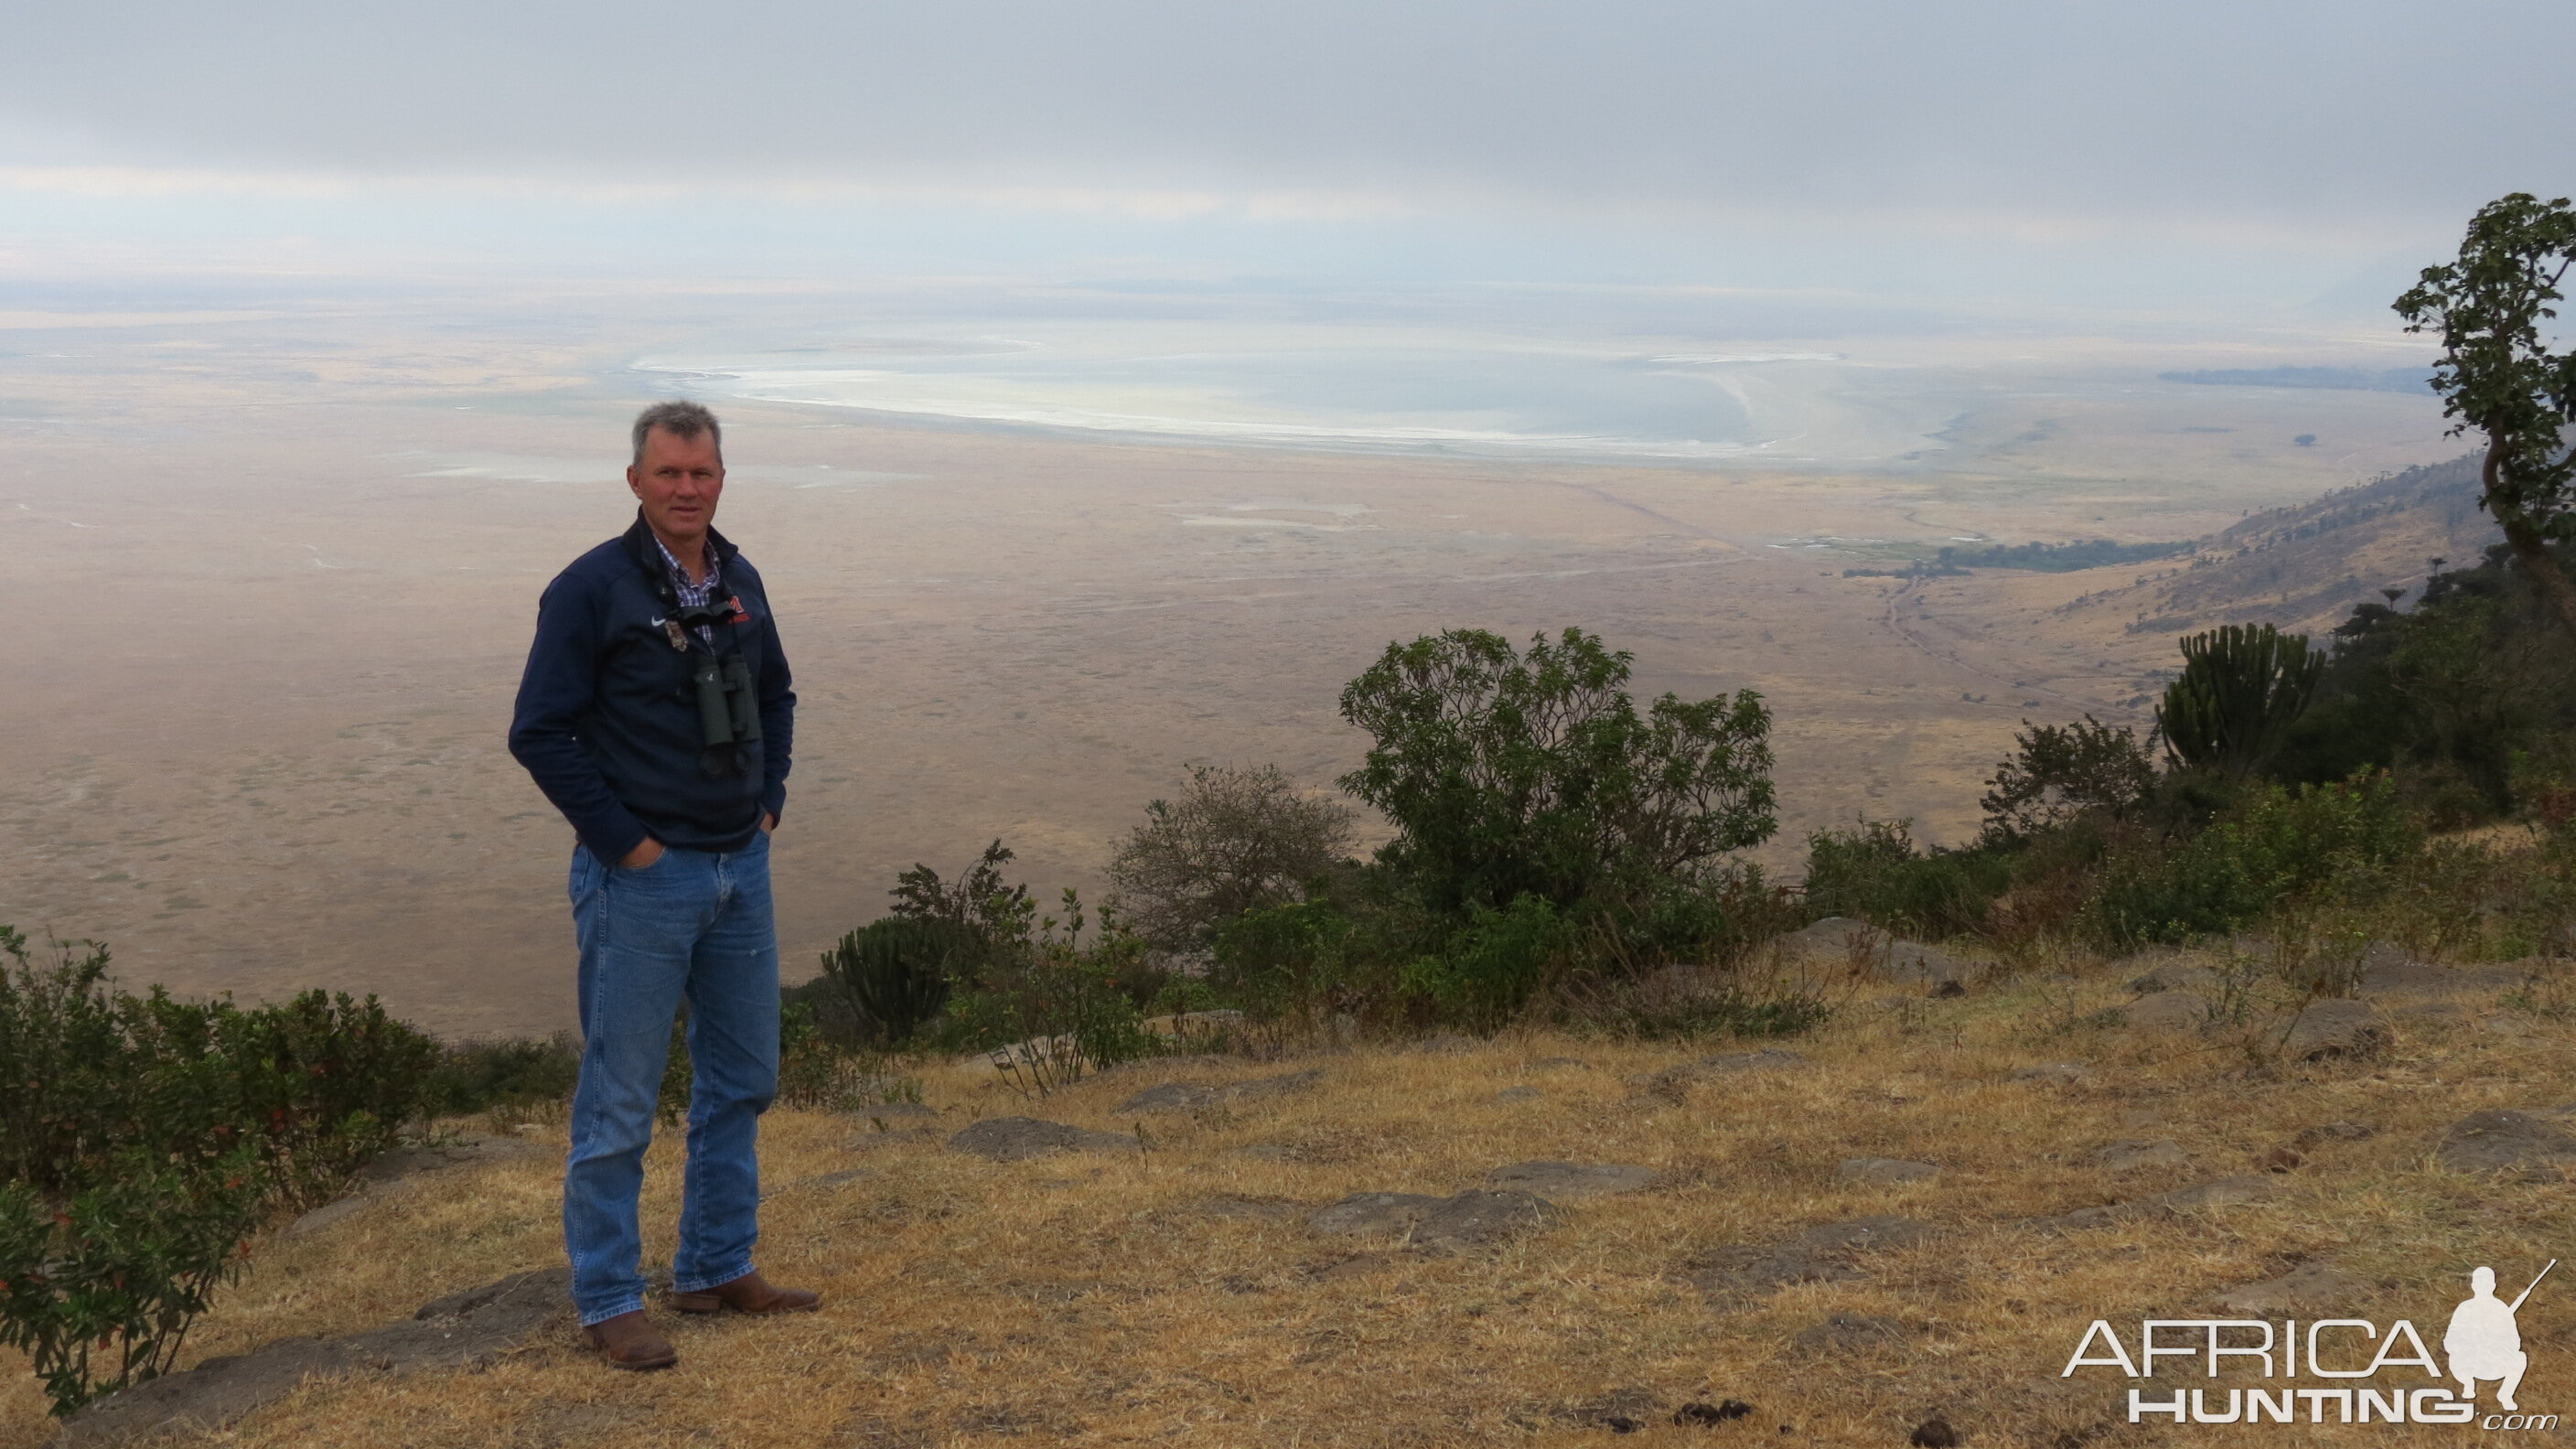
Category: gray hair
[682,420]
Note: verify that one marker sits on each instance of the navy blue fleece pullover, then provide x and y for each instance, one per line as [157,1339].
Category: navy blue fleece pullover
[607,718]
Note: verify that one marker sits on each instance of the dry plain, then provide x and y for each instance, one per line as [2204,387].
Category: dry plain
[274,576]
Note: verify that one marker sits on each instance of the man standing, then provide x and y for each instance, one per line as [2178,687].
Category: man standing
[656,714]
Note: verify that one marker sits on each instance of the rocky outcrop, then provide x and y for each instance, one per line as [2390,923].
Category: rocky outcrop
[1200,1096]
[461,1330]
[2534,1146]
[1858,946]
[1018,1139]
[1827,1253]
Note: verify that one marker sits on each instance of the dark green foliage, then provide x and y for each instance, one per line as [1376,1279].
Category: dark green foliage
[1494,965]
[2241,688]
[2058,773]
[899,970]
[1644,1012]
[142,1137]
[2057,558]
[2473,678]
[979,898]
[315,1084]
[1282,960]
[99,1290]
[513,1072]
[1874,872]
[1510,774]
[2498,376]
[2308,843]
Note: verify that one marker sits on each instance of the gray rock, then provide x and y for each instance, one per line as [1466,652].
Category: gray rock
[2309,1289]
[461,1330]
[1839,937]
[1676,1081]
[1018,1139]
[2387,968]
[2530,1145]
[1519,1094]
[1372,1212]
[2173,976]
[1195,1096]
[2225,1192]
[1842,941]
[1478,1218]
[2167,1013]
[2336,1029]
[1850,1333]
[1557,1180]
[2131,1153]
[1912,961]
[1885,1171]
[1829,1252]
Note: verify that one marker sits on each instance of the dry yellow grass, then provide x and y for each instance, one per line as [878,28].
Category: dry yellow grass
[1091,1299]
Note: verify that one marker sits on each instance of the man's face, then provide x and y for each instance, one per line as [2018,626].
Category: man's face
[677,483]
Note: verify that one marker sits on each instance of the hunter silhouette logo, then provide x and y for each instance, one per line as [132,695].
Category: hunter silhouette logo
[2482,1344]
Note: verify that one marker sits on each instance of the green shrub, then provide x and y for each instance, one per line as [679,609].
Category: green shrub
[142,1138]
[1717,915]
[1274,962]
[2241,689]
[898,971]
[1513,773]
[2058,774]
[1874,872]
[2331,841]
[99,1290]
[316,1084]
[1053,1007]
[477,1076]
[1493,966]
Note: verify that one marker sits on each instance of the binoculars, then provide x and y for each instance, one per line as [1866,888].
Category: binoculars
[728,712]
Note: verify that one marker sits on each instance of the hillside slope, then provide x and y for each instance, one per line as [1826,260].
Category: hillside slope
[2084,1153]
[2304,568]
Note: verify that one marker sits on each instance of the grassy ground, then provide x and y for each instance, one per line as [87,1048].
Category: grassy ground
[1097,1299]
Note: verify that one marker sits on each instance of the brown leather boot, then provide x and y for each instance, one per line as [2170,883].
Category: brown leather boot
[749,1293]
[629,1341]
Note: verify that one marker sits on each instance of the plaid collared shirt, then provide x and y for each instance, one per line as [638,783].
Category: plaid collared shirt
[693,596]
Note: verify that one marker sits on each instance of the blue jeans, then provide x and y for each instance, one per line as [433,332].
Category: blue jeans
[692,924]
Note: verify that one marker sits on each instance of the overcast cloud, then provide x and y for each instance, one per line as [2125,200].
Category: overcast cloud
[2245,127]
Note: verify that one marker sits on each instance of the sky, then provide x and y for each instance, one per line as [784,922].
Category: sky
[2175,154]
